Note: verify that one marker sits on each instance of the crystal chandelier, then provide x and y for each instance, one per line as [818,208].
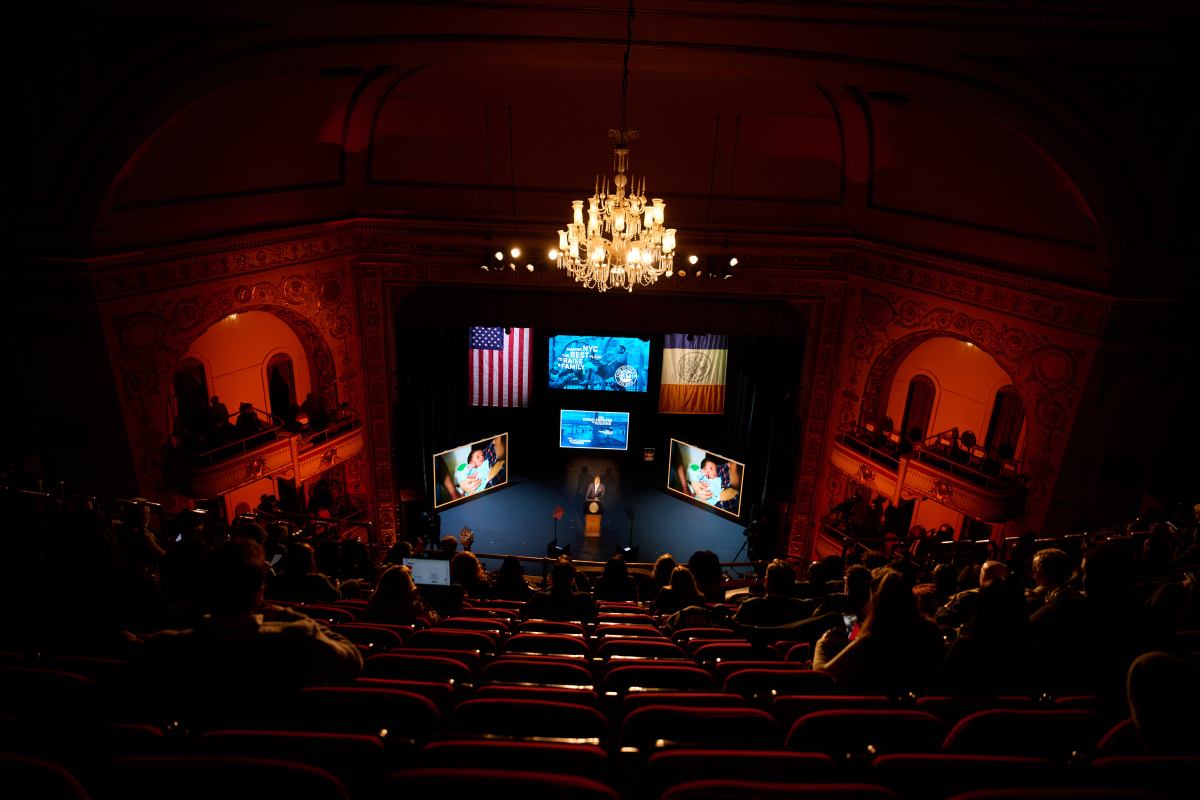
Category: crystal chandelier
[623,242]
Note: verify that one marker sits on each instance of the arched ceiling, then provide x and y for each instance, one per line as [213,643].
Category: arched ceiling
[952,130]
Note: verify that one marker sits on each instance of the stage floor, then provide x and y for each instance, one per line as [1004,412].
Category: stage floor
[518,519]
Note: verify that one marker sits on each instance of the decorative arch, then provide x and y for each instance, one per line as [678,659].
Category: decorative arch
[151,342]
[1044,374]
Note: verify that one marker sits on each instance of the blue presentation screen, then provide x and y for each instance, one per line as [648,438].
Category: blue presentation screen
[599,363]
[600,430]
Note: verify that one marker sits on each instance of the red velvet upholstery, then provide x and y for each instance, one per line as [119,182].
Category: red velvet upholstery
[227,778]
[527,718]
[704,725]
[889,731]
[1046,734]
[456,782]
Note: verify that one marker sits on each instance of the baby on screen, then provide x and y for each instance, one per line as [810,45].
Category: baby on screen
[472,475]
[705,475]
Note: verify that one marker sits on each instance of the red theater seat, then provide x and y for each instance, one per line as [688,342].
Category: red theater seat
[664,675]
[940,775]
[557,694]
[37,779]
[789,708]
[639,648]
[1173,777]
[490,784]
[1055,735]
[375,637]
[1056,794]
[622,630]
[1121,740]
[439,693]
[46,693]
[625,618]
[730,650]
[490,625]
[588,761]
[417,666]
[856,732]
[224,777]
[753,790]
[758,682]
[326,613]
[404,716]
[544,671]
[451,639]
[550,626]
[527,718]
[358,760]
[723,669]
[705,725]
[547,644]
[632,702]
[684,635]
[674,766]
[951,709]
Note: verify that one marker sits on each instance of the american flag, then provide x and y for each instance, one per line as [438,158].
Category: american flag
[499,366]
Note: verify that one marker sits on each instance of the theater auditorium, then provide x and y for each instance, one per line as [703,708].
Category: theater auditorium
[623,399]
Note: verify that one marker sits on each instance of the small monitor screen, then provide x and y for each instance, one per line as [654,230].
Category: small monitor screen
[470,470]
[599,363]
[429,571]
[600,430]
[705,477]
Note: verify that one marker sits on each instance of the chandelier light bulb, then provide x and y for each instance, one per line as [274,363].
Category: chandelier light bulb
[733,262]
[498,256]
[693,259]
[515,252]
[553,254]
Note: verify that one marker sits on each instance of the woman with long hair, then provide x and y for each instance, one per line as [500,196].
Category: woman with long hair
[895,649]
[510,583]
[615,582]
[467,572]
[397,601]
[681,593]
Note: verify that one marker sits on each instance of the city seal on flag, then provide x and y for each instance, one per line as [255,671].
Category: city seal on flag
[626,376]
[694,367]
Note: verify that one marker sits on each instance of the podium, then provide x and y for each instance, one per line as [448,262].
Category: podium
[593,517]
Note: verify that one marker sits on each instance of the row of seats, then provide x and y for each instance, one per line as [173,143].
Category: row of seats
[249,765]
[492,703]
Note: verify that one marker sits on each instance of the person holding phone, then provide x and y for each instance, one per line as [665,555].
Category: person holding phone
[896,649]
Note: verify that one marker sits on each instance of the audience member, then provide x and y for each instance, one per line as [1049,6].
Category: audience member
[681,593]
[397,601]
[937,592]
[509,582]
[562,601]
[895,651]
[962,606]
[615,582]
[705,567]
[778,606]
[1051,571]
[467,572]
[299,581]
[242,659]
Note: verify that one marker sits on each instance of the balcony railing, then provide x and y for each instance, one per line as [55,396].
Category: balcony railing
[986,491]
[266,454]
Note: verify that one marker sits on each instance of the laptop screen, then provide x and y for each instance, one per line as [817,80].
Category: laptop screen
[429,571]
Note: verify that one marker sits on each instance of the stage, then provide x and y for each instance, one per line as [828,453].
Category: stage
[518,519]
